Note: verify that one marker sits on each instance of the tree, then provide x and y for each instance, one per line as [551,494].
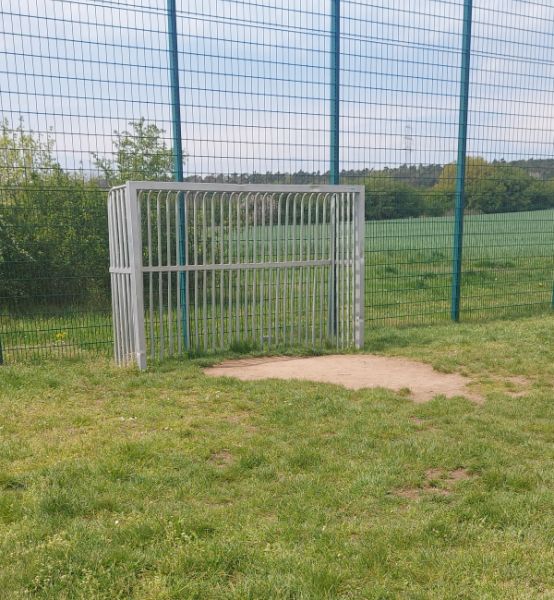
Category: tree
[388,198]
[53,231]
[540,195]
[489,187]
[140,154]
[24,156]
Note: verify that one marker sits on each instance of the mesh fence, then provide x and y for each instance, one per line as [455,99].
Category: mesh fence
[86,103]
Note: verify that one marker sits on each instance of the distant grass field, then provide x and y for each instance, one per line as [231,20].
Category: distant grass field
[508,267]
[166,484]
[508,271]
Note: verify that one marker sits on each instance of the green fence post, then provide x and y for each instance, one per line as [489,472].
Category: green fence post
[461,163]
[177,153]
[334,138]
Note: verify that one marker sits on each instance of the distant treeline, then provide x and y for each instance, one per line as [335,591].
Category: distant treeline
[428,190]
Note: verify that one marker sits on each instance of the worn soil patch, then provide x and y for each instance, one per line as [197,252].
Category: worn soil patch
[437,481]
[221,458]
[417,381]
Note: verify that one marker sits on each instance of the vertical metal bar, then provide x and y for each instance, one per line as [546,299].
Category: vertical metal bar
[293,269]
[360,267]
[322,254]
[254,260]
[262,237]
[270,272]
[461,163]
[177,150]
[178,290]
[300,290]
[286,257]
[237,283]
[308,269]
[317,256]
[349,266]
[213,262]
[117,263]
[342,270]
[246,259]
[204,274]
[150,275]
[185,298]
[278,273]
[230,272]
[333,274]
[136,283]
[113,277]
[334,163]
[124,317]
[160,275]
[195,259]
[183,275]
[175,92]
[334,168]
[169,274]
[221,273]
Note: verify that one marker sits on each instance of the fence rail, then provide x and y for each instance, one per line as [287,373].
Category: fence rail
[387,95]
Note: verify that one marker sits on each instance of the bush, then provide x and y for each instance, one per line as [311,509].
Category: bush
[53,227]
[490,187]
[387,198]
[540,195]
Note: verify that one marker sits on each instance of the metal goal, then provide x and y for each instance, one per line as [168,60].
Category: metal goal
[202,267]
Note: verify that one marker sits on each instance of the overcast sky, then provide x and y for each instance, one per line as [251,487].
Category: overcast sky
[255,79]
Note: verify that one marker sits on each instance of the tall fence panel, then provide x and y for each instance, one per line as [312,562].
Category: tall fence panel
[508,256]
[276,92]
[84,103]
[400,94]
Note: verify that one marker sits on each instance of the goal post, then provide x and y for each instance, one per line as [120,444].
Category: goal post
[204,267]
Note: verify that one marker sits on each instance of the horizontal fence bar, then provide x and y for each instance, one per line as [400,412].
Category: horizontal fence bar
[236,266]
[239,187]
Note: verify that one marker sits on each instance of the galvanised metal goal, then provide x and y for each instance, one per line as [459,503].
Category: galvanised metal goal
[200,267]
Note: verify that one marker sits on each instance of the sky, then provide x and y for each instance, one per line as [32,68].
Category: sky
[255,79]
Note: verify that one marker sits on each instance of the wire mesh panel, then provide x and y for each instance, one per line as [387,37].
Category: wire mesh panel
[232,91]
[399,88]
[508,253]
[230,266]
[84,104]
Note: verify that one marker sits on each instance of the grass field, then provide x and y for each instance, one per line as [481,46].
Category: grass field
[508,271]
[168,484]
[508,267]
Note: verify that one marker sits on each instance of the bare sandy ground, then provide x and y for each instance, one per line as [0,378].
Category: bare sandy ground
[354,372]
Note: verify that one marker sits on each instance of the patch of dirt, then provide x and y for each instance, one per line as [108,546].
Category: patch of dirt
[516,386]
[409,493]
[437,481]
[517,380]
[433,474]
[412,379]
[223,458]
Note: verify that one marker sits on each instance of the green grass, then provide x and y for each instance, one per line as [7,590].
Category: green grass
[508,267]
[167,484]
